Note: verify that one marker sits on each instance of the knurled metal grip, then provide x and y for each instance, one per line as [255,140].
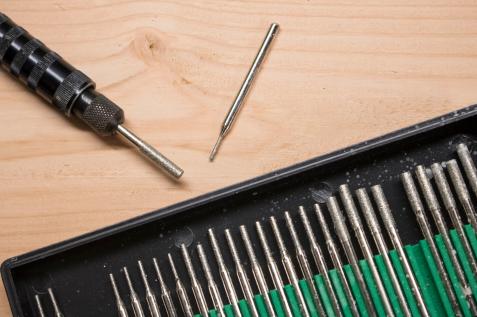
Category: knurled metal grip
[102,115]
[70,89]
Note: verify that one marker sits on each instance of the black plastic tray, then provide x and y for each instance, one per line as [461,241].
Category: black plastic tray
[77,269]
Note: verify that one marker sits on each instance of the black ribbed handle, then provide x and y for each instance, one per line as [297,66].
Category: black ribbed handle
[54,79]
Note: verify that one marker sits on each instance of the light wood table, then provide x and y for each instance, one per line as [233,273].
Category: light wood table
[339,72]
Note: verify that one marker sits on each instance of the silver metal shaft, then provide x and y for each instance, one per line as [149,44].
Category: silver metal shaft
[469,167]
[135,300]
[39,307]
[378,237]
[56,307]
[122,311]
[358,228]
[289,267]
[181,290]
[241,274]
[244,89]
[273,268]
[150,296]
[165,292]
[462,192]
[225,274]
[257,271]
[151,153]
[424,224]
[435,209]
[390,225]
[320,262]
[212,286]
[195,285]
[345,239]
[304,263]
[451,207]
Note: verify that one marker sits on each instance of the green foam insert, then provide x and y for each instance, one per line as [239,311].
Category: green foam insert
[422,264]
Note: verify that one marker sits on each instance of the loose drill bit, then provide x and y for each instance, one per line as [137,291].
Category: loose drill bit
[122,311]
[304,263]
[360,234]
[469,167]
[165,293]
[418,208]
[391,228]
[135,301]
[453,211]
[241,274]
[462,192]
[239,99]
[39,307]
[181,290]
[212,286]
[257,271]
[68,89]
[150,296]
[196,288]
[373,225]
[345,239]
[273,268]
[435,209]
[56,308]
[322,268]
[289,267]
[224,274]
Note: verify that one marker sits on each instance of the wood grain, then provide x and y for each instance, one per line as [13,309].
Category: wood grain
[339,72]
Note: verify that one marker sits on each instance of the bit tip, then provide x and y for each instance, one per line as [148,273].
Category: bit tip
[213,153]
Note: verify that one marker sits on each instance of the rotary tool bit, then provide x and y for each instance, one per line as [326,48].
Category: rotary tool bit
[257,271]
[360,234]
[304,263]
[196,288]
[469,167]
[424,224]
[212,286]
[165,293]
[241,274]
[390,225]
[56,307]
[345,239]
[68,89]
[135,300]
[180,290]
[451,207]
[150,296]
[242,94]
[435,209]
[224,274]
[373,225]
[273,268]
[289,267]
[320,262]
[122,311]
[39,307]
[462,193]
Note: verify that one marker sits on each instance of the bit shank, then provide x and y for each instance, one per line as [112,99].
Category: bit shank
[241,274]
[391,228]
[56,307]
[39,307]
[319,259]
[244,89]
[180,290]
[289,267]
[135,300]
[469,167]
[122,311]
[212,286]
[273,268]
[418,208]
[257,271]
[195,285]
[150,296]
[165,292]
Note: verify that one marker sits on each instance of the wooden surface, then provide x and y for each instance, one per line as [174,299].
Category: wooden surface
[339,72]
